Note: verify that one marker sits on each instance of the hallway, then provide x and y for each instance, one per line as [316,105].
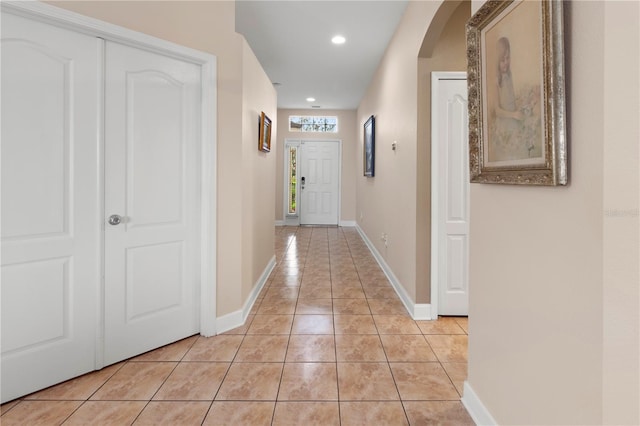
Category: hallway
[327,342]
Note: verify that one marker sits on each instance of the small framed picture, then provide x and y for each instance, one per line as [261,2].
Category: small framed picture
[264,133]
[370,146]
[515,56]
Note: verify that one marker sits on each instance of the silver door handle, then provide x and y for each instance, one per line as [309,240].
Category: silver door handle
[115,219]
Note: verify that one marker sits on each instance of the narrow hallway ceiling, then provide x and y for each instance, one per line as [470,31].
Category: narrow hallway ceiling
[292,40]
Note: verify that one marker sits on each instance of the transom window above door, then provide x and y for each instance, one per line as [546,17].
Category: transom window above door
[306,123]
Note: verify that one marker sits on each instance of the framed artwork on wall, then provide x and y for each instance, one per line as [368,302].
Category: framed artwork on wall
[264,133]
[515,56]
[369,146]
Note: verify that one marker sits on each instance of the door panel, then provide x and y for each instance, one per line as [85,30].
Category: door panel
[319,195]
[453,202]
[155,153]
[152,181]
[50,216]
[42,168]
[42,280]
[144,278]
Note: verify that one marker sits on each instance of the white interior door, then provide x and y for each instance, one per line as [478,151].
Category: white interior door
[450,193]
[319,182]
[152,182]
[50,212]
[54,194]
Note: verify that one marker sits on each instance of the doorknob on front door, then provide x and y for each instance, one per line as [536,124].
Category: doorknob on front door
[302,181]
[115,219]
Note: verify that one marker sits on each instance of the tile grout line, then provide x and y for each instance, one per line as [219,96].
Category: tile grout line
[164,381]
[88,398]
[231,363]
[335,343]
[275,404]
[226,373]
[318,242]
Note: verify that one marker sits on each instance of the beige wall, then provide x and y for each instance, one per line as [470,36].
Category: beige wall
[350,156]
[447,53]
[397,200]
[621,292]
[387,202]
[554,273]
[554,300]
[536,267]
[257,174]
[209,26]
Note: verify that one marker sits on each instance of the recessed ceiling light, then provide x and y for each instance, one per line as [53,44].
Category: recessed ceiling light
[311,99]
[338,39]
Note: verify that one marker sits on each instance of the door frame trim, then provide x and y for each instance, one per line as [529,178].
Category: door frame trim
[208,142]
[436,226]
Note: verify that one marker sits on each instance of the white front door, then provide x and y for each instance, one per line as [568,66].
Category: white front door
[319,182]
[152,193]
[450,193]
[50,213]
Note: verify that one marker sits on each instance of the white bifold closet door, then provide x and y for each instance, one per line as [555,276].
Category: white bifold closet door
[100,203]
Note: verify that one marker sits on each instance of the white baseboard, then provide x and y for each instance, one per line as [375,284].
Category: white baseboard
[478,412]
[422,311]
[291,221]
[257,288]
[229,321]
[418,311]
[237,318]
[296,222]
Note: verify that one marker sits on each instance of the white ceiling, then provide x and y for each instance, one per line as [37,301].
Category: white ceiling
[292,40]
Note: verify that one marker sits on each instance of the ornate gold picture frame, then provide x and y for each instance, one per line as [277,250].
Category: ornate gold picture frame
[515,55]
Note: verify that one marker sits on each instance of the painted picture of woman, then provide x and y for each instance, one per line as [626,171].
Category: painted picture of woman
[514,120]
[517,114]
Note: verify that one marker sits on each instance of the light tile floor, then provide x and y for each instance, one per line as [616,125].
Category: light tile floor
[328,342]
